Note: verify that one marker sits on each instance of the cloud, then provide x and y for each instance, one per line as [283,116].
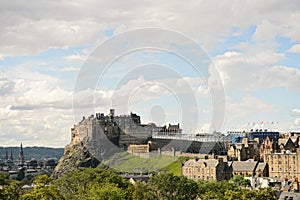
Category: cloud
[297,122]
[294,49]
[248,72]
[29,28]
[295,112]
[6,85]
[249,108]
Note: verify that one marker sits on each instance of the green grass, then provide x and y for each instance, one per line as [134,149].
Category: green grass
[125,162]
[175,167]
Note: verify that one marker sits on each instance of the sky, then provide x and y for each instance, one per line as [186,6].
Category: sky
[54,68]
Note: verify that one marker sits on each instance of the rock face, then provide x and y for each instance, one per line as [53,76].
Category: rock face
[75,156]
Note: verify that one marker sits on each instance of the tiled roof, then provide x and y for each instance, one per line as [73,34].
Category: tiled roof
[207,162]
[243,166]
[260,167]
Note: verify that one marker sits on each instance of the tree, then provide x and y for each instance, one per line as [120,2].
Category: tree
[43,193]
[142,191]
[266,193]
[4,179]
[43,189]
[76,184]
[105,191]
[216,188]
[11,191]
[168,186]
[239,180]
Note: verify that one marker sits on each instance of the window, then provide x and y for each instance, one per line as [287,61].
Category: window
[202,171]
[272,169]
[198,169]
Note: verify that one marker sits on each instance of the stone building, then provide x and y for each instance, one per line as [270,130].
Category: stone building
[266,148]
[284,164]
[247,149]
[206,169]
[138,148]
[249,168]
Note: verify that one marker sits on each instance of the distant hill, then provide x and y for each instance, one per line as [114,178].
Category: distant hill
[38,153]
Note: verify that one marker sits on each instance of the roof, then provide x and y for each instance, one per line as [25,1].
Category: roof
[244,166]
[260,167]
[207,162]
[285,195]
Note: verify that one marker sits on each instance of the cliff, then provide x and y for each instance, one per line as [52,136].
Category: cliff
[75,156]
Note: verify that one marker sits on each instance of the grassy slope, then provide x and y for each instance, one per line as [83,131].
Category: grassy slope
[129,163]
[175,167]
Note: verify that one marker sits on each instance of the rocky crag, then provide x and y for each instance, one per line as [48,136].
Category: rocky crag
[75,156]
[95,139]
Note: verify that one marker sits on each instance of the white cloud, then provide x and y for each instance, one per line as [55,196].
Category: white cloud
[295,112]
[294,49]
[297,122]
[248,72]
[6,85]
[29,28]
[249,108]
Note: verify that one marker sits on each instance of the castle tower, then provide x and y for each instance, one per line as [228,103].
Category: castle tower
[21,156]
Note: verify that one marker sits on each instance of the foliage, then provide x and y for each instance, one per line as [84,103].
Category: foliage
[4,179]
[93,183]
[11,191]
[239,180]
[213,189]
[168,186]
[102,183]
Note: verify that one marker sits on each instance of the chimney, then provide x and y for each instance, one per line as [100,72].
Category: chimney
[220,160]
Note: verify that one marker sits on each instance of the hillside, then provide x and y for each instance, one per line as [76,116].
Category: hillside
[38,153]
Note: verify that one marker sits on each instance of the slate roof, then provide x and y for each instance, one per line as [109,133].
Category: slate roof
[207,162]
[289,195]
[243,166]
[260,167]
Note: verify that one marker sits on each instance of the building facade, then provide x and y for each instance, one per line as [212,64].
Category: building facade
[206,169]
[284,164]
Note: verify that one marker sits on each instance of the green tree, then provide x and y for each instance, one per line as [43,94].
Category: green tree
[11,191]
[239,180]
[43,193]
[214,189]
[43,189]
[76,184]
[105,191]
[266,194]
[4,179]
[142,191]
[168,186]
